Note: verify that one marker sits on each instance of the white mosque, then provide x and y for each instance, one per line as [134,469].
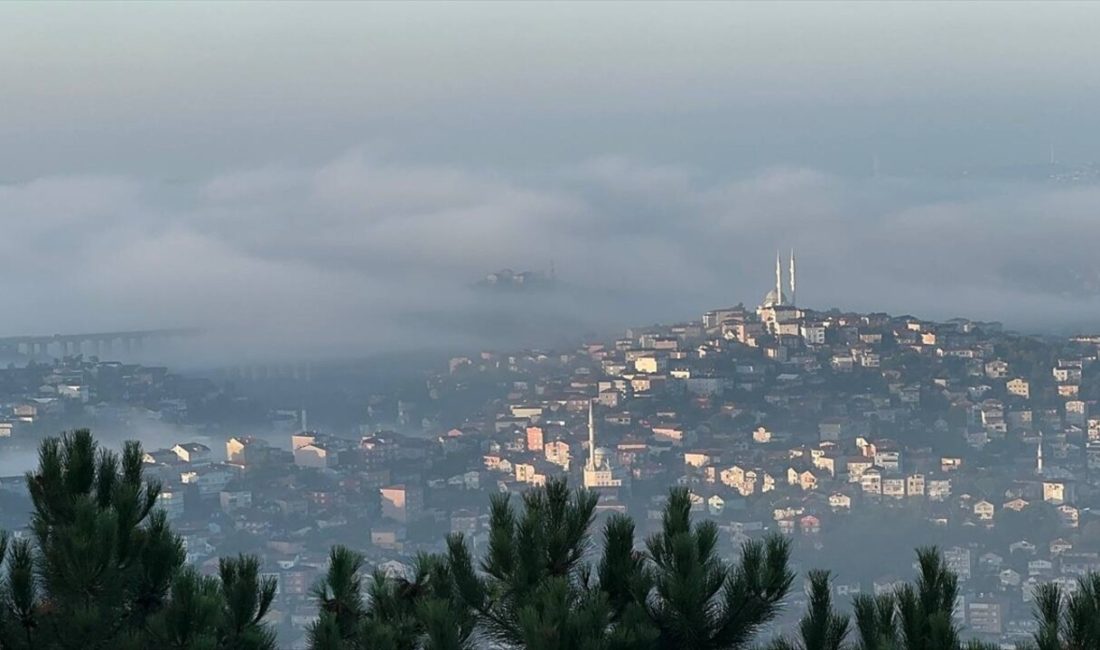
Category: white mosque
[598,472]
[778,311]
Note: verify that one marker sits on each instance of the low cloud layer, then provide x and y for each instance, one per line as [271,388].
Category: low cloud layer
[361,254]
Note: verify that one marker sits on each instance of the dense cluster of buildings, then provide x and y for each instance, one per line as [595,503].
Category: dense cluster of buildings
[858,435]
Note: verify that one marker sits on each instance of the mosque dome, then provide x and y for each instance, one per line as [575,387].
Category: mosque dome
[777,296]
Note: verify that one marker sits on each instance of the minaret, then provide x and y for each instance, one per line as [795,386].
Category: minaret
[1039,455]
[597,475]
[792,278]
[778,279]
[591,437]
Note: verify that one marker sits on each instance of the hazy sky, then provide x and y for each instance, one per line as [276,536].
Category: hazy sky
[338,172]
[200,87]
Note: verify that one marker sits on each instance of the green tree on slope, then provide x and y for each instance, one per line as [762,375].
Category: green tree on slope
[102,569]
[821,628]
[917,616]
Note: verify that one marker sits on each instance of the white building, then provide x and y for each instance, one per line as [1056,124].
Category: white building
[192,452]
[598,472]
[171,503]
[778,312]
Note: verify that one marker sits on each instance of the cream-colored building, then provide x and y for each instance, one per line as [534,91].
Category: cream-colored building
[558,453]
[939,489]
[315,455]
[871,481]
[1054,492]
[1019,387]
[697,459]
[893,488]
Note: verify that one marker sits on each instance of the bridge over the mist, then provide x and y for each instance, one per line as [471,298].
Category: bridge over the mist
[60,345]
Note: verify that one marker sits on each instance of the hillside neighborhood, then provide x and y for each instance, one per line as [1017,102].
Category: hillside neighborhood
[855,434]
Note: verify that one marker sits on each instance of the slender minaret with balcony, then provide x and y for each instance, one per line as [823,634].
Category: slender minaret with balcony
[790,298]
[778,312]
[597,471]
[778,279]
[591,437]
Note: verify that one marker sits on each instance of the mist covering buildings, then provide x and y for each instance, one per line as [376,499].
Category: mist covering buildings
[324,203]
[427,253]
[842,430]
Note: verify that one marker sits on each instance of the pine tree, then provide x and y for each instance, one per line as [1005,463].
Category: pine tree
[533,589]
[919,615]
[192,618]
[247,598]
[821,628]
[702,602]
[625,579]
[412,612]
[102,568]
[340,597]
[1068,621]
[100,560]
[876,622]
